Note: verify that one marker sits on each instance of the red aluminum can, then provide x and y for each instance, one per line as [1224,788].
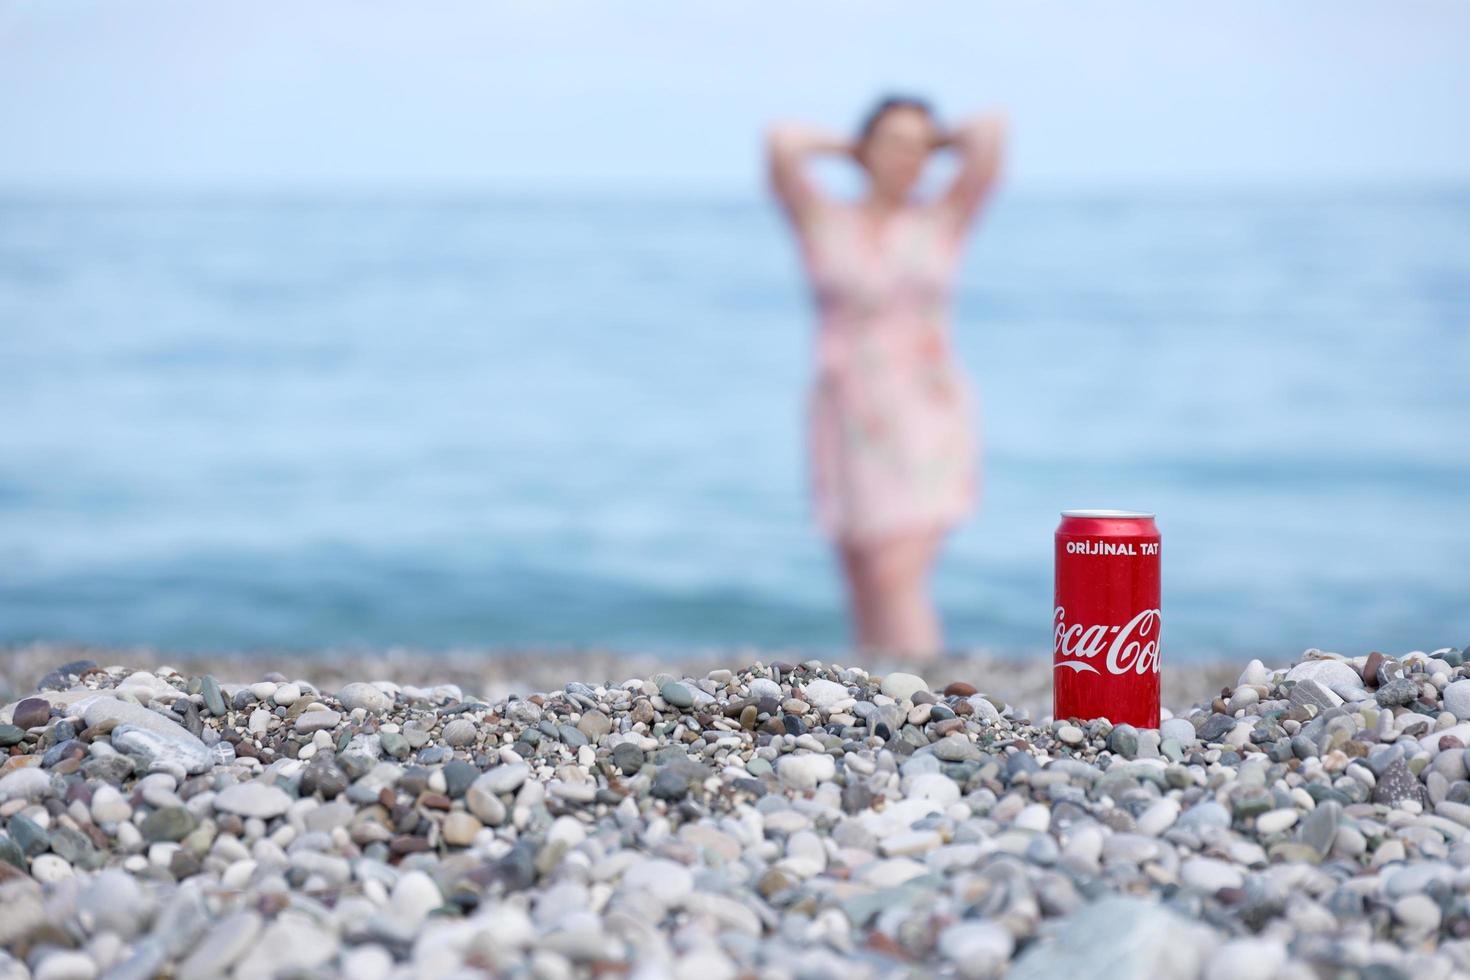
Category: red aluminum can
[1106,621]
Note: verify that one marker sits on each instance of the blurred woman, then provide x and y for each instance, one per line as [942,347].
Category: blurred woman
[892,435]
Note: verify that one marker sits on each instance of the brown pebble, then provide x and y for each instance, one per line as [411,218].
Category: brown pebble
[407,845]
[959,689]
[434,801]
[1370,668]
[1447,742]
[949,725]
[364,832]
[881,942]
[99,839]
[963,708]
[642,711]
[387,797]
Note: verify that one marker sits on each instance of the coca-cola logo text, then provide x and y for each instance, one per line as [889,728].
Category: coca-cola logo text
[1131,648]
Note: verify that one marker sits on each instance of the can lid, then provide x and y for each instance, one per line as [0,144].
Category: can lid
[1115,514]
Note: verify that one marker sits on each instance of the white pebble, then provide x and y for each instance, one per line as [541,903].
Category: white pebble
[1209,875]
[65,966]
[1034,816]
[566,830]
[909,843]
[1334,675]
[49,869]
[1246,959]
[1417,912]
[1159,816]
[1275,821]
[977,949]
[1457,699]
[109,806]
[414,896]
[367,962]
[824,693]
[365,696]
[1255,673]
[901,686]
[804,770]
[933,786]
[1179,729]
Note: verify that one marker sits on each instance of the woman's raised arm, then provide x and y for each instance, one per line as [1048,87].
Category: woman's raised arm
[787,147]
[980,144]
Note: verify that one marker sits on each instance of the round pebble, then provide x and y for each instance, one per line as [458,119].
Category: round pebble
[460,828]
[460,732]
[1275,821]
[901,686]
[286,694]
[253,799]
[364,696]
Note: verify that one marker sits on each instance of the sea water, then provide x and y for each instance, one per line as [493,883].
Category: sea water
[512,422]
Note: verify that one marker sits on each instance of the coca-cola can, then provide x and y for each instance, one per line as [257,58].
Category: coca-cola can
[1106,623]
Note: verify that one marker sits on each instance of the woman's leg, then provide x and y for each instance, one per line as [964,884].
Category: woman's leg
[863,596]
[888,583]
[911,623]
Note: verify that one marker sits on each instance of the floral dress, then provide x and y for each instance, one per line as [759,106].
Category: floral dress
[892,432]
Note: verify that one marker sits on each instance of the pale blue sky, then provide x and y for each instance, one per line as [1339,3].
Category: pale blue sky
[457,94]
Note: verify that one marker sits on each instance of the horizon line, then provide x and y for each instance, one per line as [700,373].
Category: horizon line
[74,191]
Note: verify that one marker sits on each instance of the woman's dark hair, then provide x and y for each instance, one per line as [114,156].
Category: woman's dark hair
[887,104]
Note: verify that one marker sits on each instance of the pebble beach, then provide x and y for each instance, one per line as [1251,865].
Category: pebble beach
[598,815]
